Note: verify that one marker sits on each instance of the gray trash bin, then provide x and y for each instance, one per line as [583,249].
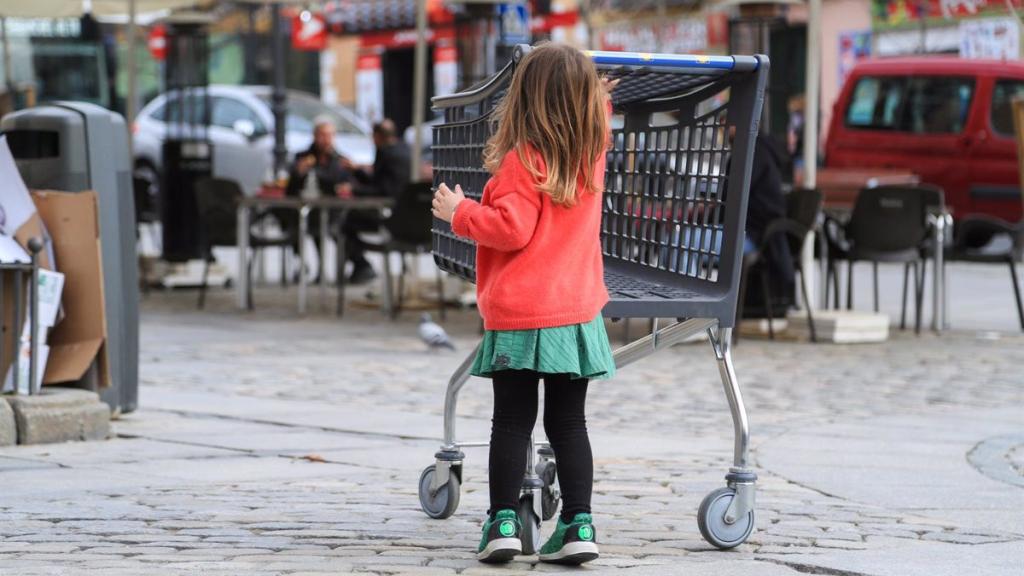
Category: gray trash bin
[75,146]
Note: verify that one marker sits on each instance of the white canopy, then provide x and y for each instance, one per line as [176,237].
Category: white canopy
[75,8]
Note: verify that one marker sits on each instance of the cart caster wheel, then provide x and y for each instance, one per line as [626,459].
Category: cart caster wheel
[711,520]
[550,495]
[442,504]
[530,536]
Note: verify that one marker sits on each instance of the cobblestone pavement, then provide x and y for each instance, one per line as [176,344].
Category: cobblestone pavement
[269,445]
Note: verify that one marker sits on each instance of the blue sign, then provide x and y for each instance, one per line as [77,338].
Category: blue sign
[514,22]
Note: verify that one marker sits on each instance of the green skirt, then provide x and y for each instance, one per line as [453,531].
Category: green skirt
[580,350]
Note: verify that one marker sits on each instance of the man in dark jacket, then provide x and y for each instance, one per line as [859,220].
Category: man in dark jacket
[388,177]
[389,174]
[322,162]
[765,204]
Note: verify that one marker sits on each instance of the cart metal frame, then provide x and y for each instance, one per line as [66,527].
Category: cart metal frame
[672,236]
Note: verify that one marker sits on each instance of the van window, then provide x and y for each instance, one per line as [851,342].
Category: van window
[937,105]
[875,103]
[1003,95]
[919,105]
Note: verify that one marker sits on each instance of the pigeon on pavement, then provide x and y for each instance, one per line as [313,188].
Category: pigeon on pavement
[434,335]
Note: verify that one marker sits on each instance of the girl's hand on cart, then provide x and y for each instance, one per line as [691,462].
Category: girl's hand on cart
[609,84]
[445,201]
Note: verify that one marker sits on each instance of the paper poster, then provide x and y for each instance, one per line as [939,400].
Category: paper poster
[51,286]
[11,252]
[446,68]
[369,87]
[853,46]
[15,203]
[24,356]
[997,39]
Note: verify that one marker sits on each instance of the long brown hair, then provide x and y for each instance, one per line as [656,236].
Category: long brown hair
[555,104]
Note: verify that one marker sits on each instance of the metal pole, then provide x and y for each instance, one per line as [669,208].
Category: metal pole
[278,98]
[8,80]
[251,46]
[659,32]
[588,22]
[922,10]
[419,88]
[812,77]
[131,103]
[33,347]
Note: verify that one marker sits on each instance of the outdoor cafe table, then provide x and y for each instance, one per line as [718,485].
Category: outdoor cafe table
[839,188]
[326,206]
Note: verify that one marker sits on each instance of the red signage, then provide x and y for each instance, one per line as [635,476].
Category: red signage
[368,61]
[309,32]
[157,42]
[403,38]
[904,13]
[546,22]
[445,52]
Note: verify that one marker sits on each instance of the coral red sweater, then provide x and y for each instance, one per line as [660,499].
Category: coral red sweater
[538,264]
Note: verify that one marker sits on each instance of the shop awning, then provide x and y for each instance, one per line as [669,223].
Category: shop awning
[75,8]
[358,16]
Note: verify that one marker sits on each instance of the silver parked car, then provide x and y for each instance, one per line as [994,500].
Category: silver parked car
[242,131]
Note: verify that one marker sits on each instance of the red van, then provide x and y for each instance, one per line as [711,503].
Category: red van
[948,120]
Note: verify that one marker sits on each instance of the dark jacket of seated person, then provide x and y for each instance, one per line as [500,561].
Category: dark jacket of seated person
[329,169]
[390,172]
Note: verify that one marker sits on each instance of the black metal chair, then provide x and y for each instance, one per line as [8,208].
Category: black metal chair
[217,200]
[803,208]
[888,224]
[406,231]
[971,240]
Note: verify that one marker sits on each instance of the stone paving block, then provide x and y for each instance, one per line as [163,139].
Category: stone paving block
[59,415]
[840,544]
[8,428]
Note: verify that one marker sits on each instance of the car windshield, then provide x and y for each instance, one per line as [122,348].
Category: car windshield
[303,112]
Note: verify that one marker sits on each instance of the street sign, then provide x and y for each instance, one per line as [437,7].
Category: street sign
[157,42]
[515,23]
[309,32]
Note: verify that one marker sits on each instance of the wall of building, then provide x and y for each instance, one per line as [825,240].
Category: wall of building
[839,19]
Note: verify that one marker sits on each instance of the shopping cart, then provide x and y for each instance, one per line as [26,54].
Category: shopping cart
[675,201]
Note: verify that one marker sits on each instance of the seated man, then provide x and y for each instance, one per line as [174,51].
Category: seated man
[327,166]
[388,176]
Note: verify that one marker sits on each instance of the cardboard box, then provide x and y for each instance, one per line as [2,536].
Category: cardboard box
[80,337]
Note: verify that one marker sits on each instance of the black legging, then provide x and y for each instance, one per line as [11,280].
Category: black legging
[565,423]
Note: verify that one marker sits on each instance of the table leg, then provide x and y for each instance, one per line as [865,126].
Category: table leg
[807,276]
[945,277]
[242,290]
[341,249]
[303,230]
[322,265]
[819,234]
[938,286]
[387,304]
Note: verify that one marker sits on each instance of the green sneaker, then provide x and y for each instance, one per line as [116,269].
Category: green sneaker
[573,543]
[500,542]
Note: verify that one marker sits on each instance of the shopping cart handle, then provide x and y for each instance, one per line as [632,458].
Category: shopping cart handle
[606,58]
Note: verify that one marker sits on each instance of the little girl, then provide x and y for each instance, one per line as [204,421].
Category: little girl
[540,287]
